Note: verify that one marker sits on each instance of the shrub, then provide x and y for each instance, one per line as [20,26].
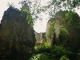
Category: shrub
[63,31]
[47,45]
[63,36]
[51,31]
[64,58]
[45,48]
[73,20]
[39,57]
[59,51]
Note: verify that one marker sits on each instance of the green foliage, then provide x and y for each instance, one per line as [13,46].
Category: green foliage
[59,51]
[69,16]
[51,31]
[25,8]
[39,57]
[63,4]
[63,32]
[54,53]
[72,20]
[30,20]
[70,4]
[64,58]
[63,36]
[26,15]
[45,48]
[47,45]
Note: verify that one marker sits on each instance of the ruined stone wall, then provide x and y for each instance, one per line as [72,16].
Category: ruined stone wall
[73,38]
[17,37]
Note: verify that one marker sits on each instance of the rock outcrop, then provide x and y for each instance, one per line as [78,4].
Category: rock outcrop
[64,29]
[17,38]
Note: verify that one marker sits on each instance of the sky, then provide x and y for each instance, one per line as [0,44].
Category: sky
[40,25]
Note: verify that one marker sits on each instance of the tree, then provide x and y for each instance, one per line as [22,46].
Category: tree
[67,4]
[73,20]
[26,12]
[27,4]
[53,7]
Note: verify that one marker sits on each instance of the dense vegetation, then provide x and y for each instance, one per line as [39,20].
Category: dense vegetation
[62,45]
[54,53]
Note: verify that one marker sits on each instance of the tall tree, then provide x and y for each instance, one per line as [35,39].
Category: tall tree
[25,8]
[53,7]
[35,8]
[64,4]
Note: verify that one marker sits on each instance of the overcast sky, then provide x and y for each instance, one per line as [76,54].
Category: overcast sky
[40,25]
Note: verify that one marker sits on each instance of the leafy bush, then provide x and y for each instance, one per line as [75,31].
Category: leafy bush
[53,53]
[63,36]
[51,31]
[59,51]
[45,48]
[63,31]
[47,45]
[64,58]
[39,57]
[72,19]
